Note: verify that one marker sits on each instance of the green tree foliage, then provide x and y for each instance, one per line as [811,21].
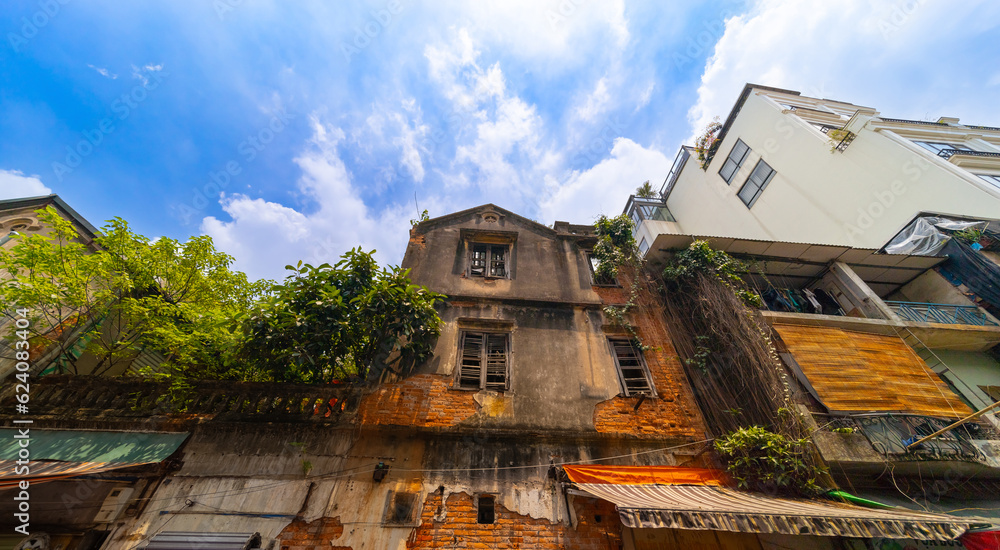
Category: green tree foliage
[347,322]
[615,246]
[766,461]
[645,191]
[93,310]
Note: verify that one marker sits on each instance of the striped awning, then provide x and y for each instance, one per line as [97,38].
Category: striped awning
[42,471]
[718,508]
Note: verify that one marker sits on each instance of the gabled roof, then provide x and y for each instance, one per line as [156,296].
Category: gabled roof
[54,200]
[441,220]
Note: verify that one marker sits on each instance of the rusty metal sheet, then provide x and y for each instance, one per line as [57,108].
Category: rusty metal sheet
[857,372]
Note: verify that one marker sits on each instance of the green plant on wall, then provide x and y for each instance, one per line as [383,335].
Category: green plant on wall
[707,143]
[766,461]
[615,246]
[700,258]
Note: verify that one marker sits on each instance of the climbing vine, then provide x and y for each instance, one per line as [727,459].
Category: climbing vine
[616,251]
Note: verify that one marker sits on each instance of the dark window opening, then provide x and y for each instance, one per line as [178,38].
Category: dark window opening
[484,360]
[401,508]
[488,260]
[758,180]
[486,509]
[734,160]
[942,149]
[594,264]
[632,369]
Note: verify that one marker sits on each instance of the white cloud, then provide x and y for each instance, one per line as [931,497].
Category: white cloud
[141,73]
[562,32]
[604,188]
[265,236]
[885,54]
[498,135]
[597,101]
[14,185]
[103,72]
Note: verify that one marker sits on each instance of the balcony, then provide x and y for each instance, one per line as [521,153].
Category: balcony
[940,313]
[948,153]
[880,437]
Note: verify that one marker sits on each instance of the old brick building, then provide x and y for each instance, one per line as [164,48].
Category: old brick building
[528,375]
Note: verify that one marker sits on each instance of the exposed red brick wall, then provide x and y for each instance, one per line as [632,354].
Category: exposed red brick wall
[315,535]
[423,400]
[673,413]
[514,531]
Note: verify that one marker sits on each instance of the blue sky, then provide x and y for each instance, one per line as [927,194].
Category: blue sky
[298,130]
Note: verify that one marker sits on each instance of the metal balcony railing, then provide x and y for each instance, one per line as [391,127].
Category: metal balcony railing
[941,313]
[890,434]
[948,153]
[642,209]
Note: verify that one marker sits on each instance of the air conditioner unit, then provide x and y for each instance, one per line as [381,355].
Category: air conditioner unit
[114,504]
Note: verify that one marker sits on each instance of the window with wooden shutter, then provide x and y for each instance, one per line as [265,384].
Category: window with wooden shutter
[484,360]
[632,369]
[489,260]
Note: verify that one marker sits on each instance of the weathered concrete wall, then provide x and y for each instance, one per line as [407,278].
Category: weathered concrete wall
[544,265]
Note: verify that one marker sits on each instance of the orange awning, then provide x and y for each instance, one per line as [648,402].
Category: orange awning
[645,475]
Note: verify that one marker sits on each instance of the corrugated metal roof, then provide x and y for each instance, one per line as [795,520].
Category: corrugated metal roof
[185,540]
[93,446]
[722,509]
[860,372]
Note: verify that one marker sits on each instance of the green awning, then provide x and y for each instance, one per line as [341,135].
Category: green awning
[92,446]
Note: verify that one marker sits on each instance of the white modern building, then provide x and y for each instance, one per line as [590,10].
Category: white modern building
[785,167]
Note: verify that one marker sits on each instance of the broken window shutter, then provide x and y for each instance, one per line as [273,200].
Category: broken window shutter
[498,261]
[477,265]
[496,362]
[631,367]
[471,367]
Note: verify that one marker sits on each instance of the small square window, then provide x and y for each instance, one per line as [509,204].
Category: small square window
[484,360]
[755,184]
[632,370]
[486,509]
[489,260]
[400,508]
[594,264]
[734,160]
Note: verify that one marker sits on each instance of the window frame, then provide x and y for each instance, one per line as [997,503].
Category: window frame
[938,147]
[761,187]
[992,179]
[591,259]
[739,164]
[493,504]
[389,517]
[489,259]
[650,390]
[484,367]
